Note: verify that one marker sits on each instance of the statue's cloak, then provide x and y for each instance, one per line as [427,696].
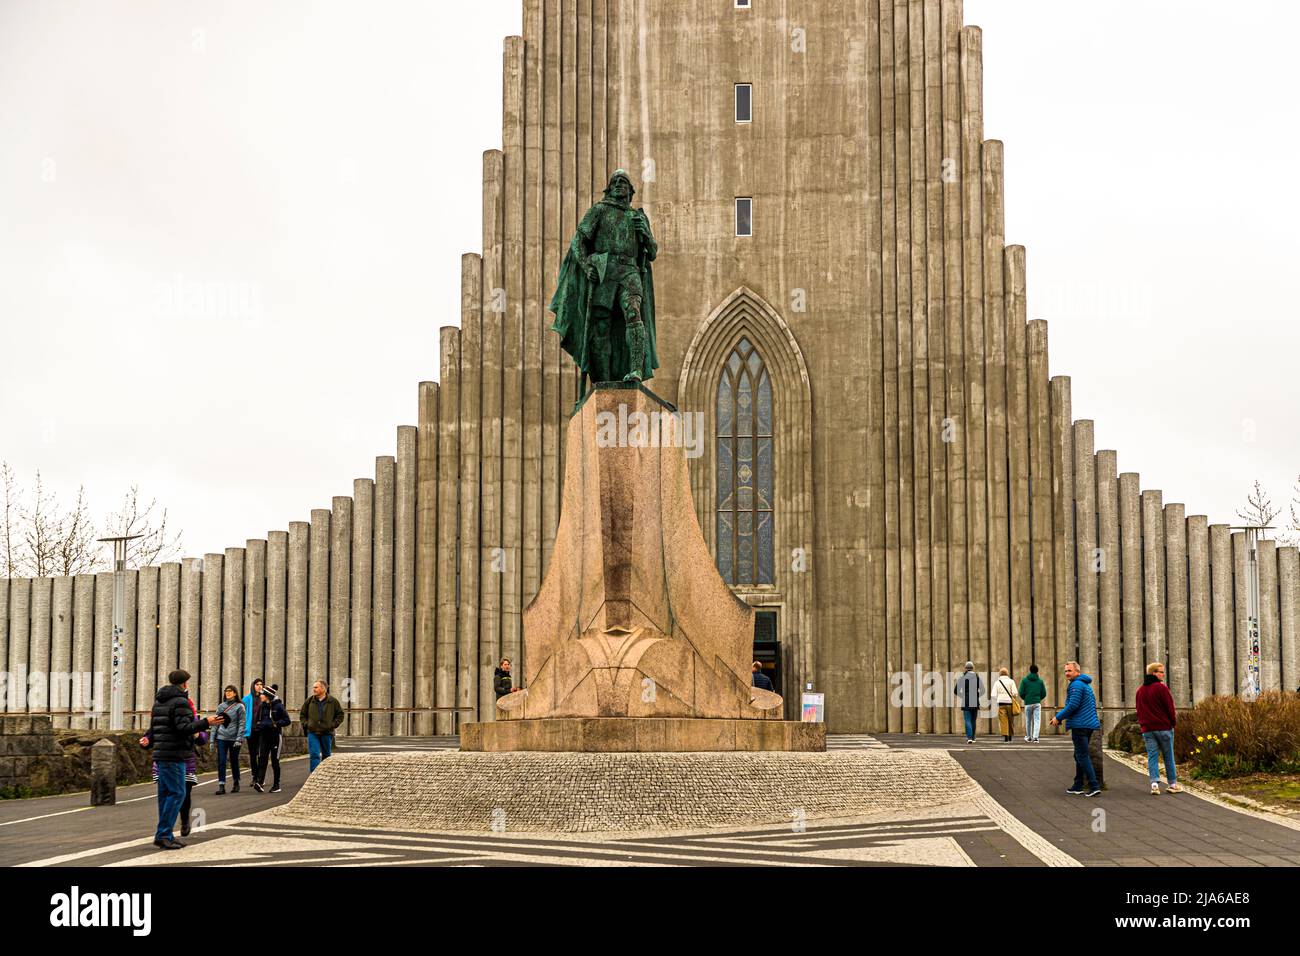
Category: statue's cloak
[573,301]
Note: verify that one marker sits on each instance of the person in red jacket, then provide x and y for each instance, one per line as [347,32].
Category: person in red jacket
[1157,717]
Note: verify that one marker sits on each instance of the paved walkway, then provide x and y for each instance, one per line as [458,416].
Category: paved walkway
[1025,819]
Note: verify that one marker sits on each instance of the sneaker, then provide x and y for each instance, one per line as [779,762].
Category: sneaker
[167,844]
[276,788]
[1173,788]
[258,786]
[1094,792]
[1028,741]
[970,740]
[220,791]
[1076,792]
[1155,789]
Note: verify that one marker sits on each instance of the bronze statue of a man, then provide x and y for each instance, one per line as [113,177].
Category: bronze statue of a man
[604,301]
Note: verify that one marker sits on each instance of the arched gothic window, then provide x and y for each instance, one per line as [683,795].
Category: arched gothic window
[744,483]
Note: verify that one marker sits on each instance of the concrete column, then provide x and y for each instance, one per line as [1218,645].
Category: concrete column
[404,578]
[891,423]
[536,296]
[449,559]
[1018,446]
[339,667]
[569,199]
[1063,526]
[4,644]
[491,555]
[1153,576]
[382,606]
[191,618]
[1014,651]
[552,250]
[61,650]
[103,773]
[83,648]
[601,166]
[937,719]
[582,117]
[294,673]
[363,575]
[470,421]
[208,672]
[20,624]
[1201,657]
[277,608]
[1042,547]
[169,622]
[1085,546]
[913,354]
[1130,529]
[145,664]
[1177,635]
[255,555]
[1270,650]
[38,654]
[426,555]
[956,421]
[1223,632]
[1288,581]
[100,683]
[130,634]
[318,611]
[512,139]
[1240,607]
[976,349]
[230,665]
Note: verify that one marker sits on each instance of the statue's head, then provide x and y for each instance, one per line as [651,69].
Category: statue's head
[620,187]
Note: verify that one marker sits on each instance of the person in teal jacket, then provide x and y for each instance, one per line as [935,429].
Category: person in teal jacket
[251,735]
[1080,711]
[1033,692]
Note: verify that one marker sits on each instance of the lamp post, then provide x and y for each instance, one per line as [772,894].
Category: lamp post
[119,610]
[1250,684]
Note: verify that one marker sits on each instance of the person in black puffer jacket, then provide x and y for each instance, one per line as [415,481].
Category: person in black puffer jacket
[269,720]
[172,726]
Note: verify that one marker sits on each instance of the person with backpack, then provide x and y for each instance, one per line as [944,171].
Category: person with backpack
[1004,695]
[271,719]
[968,690]
[1033,692]
[321,716]
[230,737]
[251,737]
[172,728]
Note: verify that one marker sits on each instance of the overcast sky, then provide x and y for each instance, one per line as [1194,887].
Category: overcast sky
[229,234]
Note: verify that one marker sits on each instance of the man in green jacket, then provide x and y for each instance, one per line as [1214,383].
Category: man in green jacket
[321,716]
[1033,692]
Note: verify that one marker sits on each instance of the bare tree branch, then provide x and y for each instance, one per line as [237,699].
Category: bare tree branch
[10,533]
[1259,510]
[156,544]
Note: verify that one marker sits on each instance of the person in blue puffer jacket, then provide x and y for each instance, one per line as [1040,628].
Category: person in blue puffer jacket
[1080,712]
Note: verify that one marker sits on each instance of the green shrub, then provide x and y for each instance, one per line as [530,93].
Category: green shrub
[1227,736]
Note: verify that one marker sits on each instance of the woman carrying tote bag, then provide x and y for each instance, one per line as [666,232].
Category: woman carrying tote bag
[1004,695]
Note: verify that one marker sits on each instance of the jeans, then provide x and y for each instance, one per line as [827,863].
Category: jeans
[171,794]
[319,747]
[968,715]
[1033,718]
[1082,759]
[1160,742]
[227,748]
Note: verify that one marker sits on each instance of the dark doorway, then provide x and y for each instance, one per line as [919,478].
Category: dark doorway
[767,649]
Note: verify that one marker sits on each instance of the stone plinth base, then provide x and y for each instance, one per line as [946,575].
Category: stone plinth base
[642,735]
[595,792]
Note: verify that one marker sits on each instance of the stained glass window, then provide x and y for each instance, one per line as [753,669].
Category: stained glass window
[745,470]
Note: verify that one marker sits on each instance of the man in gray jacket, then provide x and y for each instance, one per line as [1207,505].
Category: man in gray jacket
[968,690]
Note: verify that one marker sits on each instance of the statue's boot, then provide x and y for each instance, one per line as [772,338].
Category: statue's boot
[635,349]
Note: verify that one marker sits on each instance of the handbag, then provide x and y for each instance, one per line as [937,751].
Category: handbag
[1015,701]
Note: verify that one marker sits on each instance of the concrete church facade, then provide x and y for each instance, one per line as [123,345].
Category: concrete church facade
[889,474]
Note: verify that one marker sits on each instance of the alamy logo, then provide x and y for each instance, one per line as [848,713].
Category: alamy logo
[74,908]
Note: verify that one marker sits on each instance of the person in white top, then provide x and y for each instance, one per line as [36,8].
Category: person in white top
[1004,694]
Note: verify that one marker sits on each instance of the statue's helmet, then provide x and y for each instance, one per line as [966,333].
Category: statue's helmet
[620,174]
